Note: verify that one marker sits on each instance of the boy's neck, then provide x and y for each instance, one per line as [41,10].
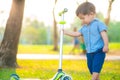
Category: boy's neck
[92,19]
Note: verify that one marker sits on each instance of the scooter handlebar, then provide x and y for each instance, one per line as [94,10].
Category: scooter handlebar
[62,12]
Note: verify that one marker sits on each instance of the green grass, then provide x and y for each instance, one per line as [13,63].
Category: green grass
[36,49]
[49,48]
[46,69]
[115,46]
[42,49]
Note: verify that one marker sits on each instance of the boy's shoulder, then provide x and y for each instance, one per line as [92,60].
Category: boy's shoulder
[97,21]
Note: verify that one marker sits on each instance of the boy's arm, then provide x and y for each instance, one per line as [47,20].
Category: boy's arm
[73,34]
[105,39]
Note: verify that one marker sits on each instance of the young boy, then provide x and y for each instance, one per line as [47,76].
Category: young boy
[95,37]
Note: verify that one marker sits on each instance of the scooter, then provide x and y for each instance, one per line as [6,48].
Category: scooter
[60,75]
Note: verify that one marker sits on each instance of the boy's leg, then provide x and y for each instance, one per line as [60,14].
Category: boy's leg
[90,61]
[95,76]
[97,65]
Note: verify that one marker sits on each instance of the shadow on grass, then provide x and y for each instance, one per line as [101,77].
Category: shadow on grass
[5,73]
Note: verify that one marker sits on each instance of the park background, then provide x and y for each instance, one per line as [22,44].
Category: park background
[40,35]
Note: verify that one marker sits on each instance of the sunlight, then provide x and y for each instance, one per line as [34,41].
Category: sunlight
[42,10]
[5,6]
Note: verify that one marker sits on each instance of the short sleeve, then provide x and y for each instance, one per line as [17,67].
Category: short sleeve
[80,30]
[102,26]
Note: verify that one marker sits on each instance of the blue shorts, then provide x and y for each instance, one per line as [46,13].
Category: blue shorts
[95,61]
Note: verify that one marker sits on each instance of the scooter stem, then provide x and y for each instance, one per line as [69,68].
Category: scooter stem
[61,43]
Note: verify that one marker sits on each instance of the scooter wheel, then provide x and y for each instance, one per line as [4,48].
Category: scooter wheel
[66,77]
[14,77]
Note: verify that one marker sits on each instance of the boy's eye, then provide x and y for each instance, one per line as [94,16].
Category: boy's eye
[81,18]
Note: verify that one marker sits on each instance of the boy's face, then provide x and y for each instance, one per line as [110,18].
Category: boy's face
[86,19]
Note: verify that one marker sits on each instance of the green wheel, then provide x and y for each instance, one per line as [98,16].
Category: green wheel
[14,77]
[66,77]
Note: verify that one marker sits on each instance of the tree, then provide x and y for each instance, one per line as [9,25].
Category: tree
[107,20]
[55,30]
[9,44]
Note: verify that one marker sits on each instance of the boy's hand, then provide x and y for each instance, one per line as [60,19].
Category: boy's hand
[105,49]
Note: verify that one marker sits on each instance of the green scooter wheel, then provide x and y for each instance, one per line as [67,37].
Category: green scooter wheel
[14,77]
[66,77]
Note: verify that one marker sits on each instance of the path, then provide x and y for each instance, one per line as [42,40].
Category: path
[56,57]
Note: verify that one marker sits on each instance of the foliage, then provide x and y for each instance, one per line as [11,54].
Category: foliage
[100,16]
[34,32]
[113,31]
[31,35]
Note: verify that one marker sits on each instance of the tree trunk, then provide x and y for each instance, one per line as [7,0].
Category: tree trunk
[55,31]
[9,45]
[107,20]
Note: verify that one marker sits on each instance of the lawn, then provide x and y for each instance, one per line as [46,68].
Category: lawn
[49,48]
[45,69]
[42,49]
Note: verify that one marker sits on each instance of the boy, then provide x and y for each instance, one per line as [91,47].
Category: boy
[95,37]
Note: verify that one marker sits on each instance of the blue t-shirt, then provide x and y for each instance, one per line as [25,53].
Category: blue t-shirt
[92,37]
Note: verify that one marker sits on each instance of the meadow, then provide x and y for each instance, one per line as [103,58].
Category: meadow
[48,49]
[46,69]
